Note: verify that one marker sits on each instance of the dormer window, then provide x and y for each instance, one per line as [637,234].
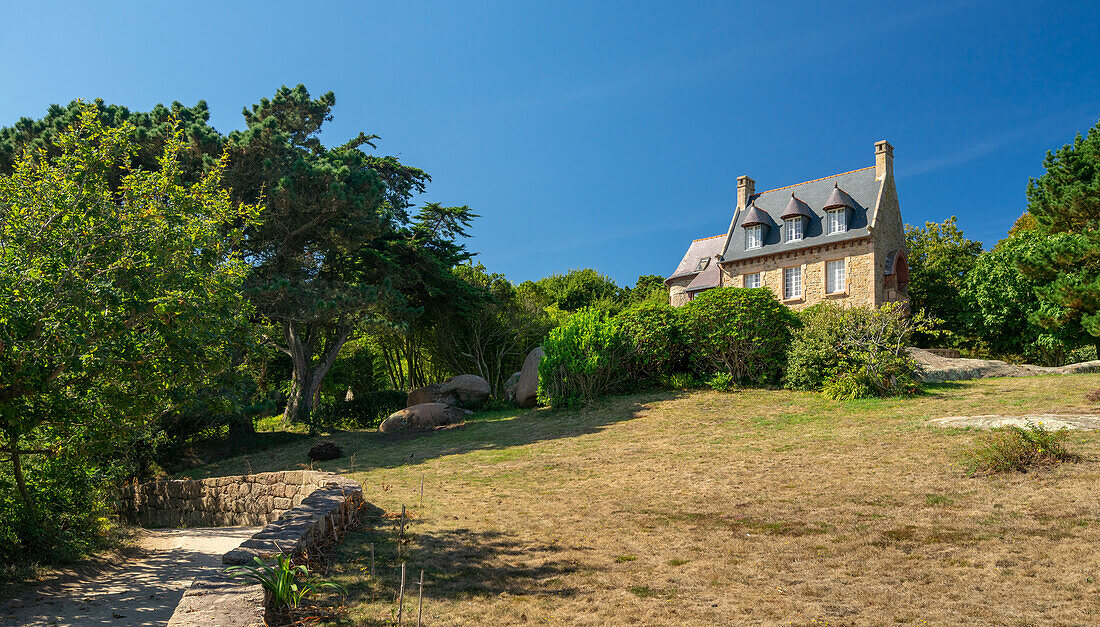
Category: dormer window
[754,236]
[703,263]
[795,218]
[838,220]
[793,228]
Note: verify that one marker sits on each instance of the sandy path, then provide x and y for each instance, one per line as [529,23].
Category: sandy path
[141,591]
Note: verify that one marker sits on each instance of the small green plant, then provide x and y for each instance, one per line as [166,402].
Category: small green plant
[721,381]
[625,558]
[287,583]
[1018,449]
[680,381]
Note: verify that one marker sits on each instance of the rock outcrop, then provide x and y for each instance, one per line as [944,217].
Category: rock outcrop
[422,417]
[933,368]
[510,387]
[527,388]
[467,391]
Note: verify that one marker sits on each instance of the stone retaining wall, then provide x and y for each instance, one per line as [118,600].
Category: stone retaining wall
[219,501]
[301,510]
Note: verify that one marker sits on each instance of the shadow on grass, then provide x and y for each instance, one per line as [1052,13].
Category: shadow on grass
[369,450]
[458,564]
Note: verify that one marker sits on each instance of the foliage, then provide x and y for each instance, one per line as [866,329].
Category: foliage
[288,584]
[680,381]
[1065,205]
[151,132]
[578,289]
[744,332]
[940,257]
[585,358]
[337,248]
[721,381]
[366,411]
[1006,312]
[492,336]
[648,288]
[113,298]
[1018,449]
[854,352]
[653,334]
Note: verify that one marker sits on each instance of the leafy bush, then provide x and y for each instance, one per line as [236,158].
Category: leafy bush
[365,412]
[67,521]
[680,381]
[723,382]
[744,332]
[1018,448]
[652,332]
[854,352]
[286,583]
[585,358]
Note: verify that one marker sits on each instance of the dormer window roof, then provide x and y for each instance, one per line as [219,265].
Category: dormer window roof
[755,216]
[839,198]
[796,209]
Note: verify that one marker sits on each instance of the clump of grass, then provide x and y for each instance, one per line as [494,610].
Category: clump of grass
[625,558]
[1019,449]
[722,382]
[1093,396]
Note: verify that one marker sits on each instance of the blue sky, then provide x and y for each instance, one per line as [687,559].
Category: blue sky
[610,134]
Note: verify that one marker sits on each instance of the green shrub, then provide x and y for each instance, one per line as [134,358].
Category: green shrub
[744,332]
[653,335]
[367,411]
[680,381]
[585,359]
[722,381]
[853,352]
[1018,449]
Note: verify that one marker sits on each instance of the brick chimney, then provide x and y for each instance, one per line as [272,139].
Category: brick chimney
[884,159]
[746,187]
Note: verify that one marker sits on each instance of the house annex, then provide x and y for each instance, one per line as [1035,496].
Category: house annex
[835,238]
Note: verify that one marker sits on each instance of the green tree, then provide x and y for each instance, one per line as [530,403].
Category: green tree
[648,288]
[111,296]
[940,257]
[1065,205]
[492,336]
[200,149]
[337,247]
[578,289]
[1006,312]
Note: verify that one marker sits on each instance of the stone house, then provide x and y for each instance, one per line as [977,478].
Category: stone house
[836,238]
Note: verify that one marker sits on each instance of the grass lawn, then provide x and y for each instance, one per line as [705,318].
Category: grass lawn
[752,507]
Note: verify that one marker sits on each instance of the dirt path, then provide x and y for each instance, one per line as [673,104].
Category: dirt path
[140,591]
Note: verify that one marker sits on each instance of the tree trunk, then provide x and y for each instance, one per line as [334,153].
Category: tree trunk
[17,470]
[305,384]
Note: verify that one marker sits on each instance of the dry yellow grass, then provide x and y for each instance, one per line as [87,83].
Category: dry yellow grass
[754,507]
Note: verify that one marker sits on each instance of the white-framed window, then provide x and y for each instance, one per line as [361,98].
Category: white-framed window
[838,221]
[794,229]
[792,282]
[754,236]
[835,275]
[753,280]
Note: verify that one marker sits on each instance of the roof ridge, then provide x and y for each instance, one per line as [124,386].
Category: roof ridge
[711,237]
[815,180]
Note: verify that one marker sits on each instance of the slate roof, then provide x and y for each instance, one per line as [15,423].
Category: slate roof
[700,248]
[860,190]
[711,277]
[795,208]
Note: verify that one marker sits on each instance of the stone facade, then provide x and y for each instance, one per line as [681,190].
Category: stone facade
[871,242]
[859,263]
